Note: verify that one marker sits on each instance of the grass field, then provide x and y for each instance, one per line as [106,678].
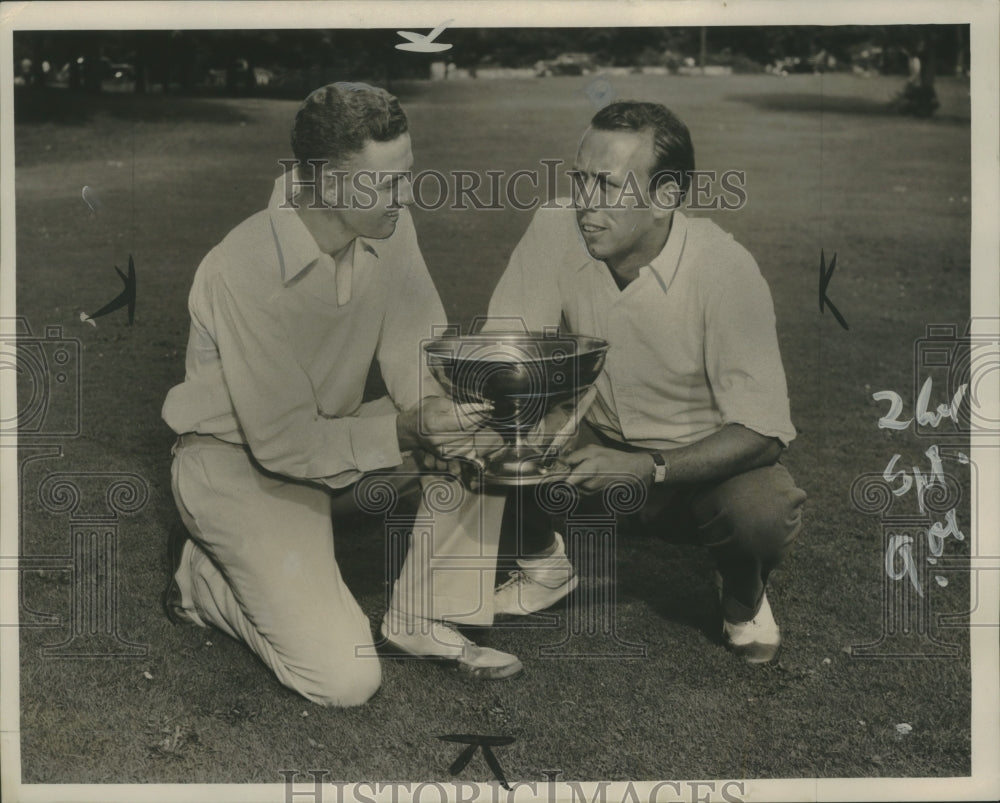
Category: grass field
[827,165]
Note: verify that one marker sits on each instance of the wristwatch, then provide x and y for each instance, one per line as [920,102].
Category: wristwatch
[659,468]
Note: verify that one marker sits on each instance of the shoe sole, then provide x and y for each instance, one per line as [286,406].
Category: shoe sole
[755,652]
[170,601]
[170,598]
[477,672]
[573,583]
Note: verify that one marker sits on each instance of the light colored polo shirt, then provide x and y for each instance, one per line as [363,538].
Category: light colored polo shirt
[693,341]
[282,339]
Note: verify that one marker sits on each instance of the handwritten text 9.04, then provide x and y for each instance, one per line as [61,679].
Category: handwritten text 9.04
[899,559]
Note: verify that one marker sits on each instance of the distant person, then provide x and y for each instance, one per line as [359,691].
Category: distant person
[287,314]
[918,96]
[692,401]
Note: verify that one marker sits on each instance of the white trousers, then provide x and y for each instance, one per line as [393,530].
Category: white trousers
[261,567]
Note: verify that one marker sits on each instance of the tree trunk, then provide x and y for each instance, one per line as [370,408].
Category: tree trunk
[140,76]
[187,62]
[919,97]
[141,68]
[959,51]
[927,64]
[93,67]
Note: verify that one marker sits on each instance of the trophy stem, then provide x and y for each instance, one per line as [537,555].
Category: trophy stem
[526,376]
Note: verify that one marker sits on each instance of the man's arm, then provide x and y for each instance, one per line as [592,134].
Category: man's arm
[732,450]
[412,313]
[744,370]
[527,295]
[428,421]
[742,357]
[276,406]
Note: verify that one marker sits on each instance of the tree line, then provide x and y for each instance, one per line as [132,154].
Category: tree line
[184,60]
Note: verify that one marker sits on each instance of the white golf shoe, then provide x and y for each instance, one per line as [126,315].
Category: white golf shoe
[757,641]
[537,585]
[438,641]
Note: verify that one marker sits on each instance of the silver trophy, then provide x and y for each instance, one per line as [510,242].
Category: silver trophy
[539,386]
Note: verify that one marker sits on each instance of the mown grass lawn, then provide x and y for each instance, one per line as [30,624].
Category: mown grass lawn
[827,167]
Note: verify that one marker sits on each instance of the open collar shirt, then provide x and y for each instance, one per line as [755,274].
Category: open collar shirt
[693,340]
[282,338]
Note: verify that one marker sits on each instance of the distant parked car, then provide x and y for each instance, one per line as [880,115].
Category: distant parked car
[121,72]
[566,64]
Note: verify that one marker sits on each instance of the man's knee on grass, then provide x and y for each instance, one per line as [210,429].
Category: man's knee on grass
[341,686]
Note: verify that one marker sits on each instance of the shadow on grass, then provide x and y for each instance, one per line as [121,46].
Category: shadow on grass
[832,104]
[674,580]
[65,107]
[361,543]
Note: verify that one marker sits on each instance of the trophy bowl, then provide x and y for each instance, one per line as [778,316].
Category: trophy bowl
[525,376]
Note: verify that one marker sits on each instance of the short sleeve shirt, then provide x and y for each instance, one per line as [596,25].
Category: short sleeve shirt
[693,340]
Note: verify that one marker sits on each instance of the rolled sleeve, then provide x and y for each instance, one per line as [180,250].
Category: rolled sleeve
[742,358]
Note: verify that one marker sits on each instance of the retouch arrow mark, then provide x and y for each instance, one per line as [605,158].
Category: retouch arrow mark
[421,43]
[824,282]
[125,297]
[474,742]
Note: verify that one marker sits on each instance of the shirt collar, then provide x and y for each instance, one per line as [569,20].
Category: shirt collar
[297,249]
[664,265]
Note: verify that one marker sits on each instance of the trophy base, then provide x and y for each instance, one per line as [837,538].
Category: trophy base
[524,471]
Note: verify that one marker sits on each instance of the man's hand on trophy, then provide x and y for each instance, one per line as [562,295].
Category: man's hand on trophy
[464,459]
[596,467]
[560,427]
[553,425]
[445,431]
[479,447]
[430,462]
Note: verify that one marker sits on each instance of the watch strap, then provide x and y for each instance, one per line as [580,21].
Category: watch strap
[659,468]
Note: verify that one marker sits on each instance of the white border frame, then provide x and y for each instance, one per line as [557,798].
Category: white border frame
[984,19]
